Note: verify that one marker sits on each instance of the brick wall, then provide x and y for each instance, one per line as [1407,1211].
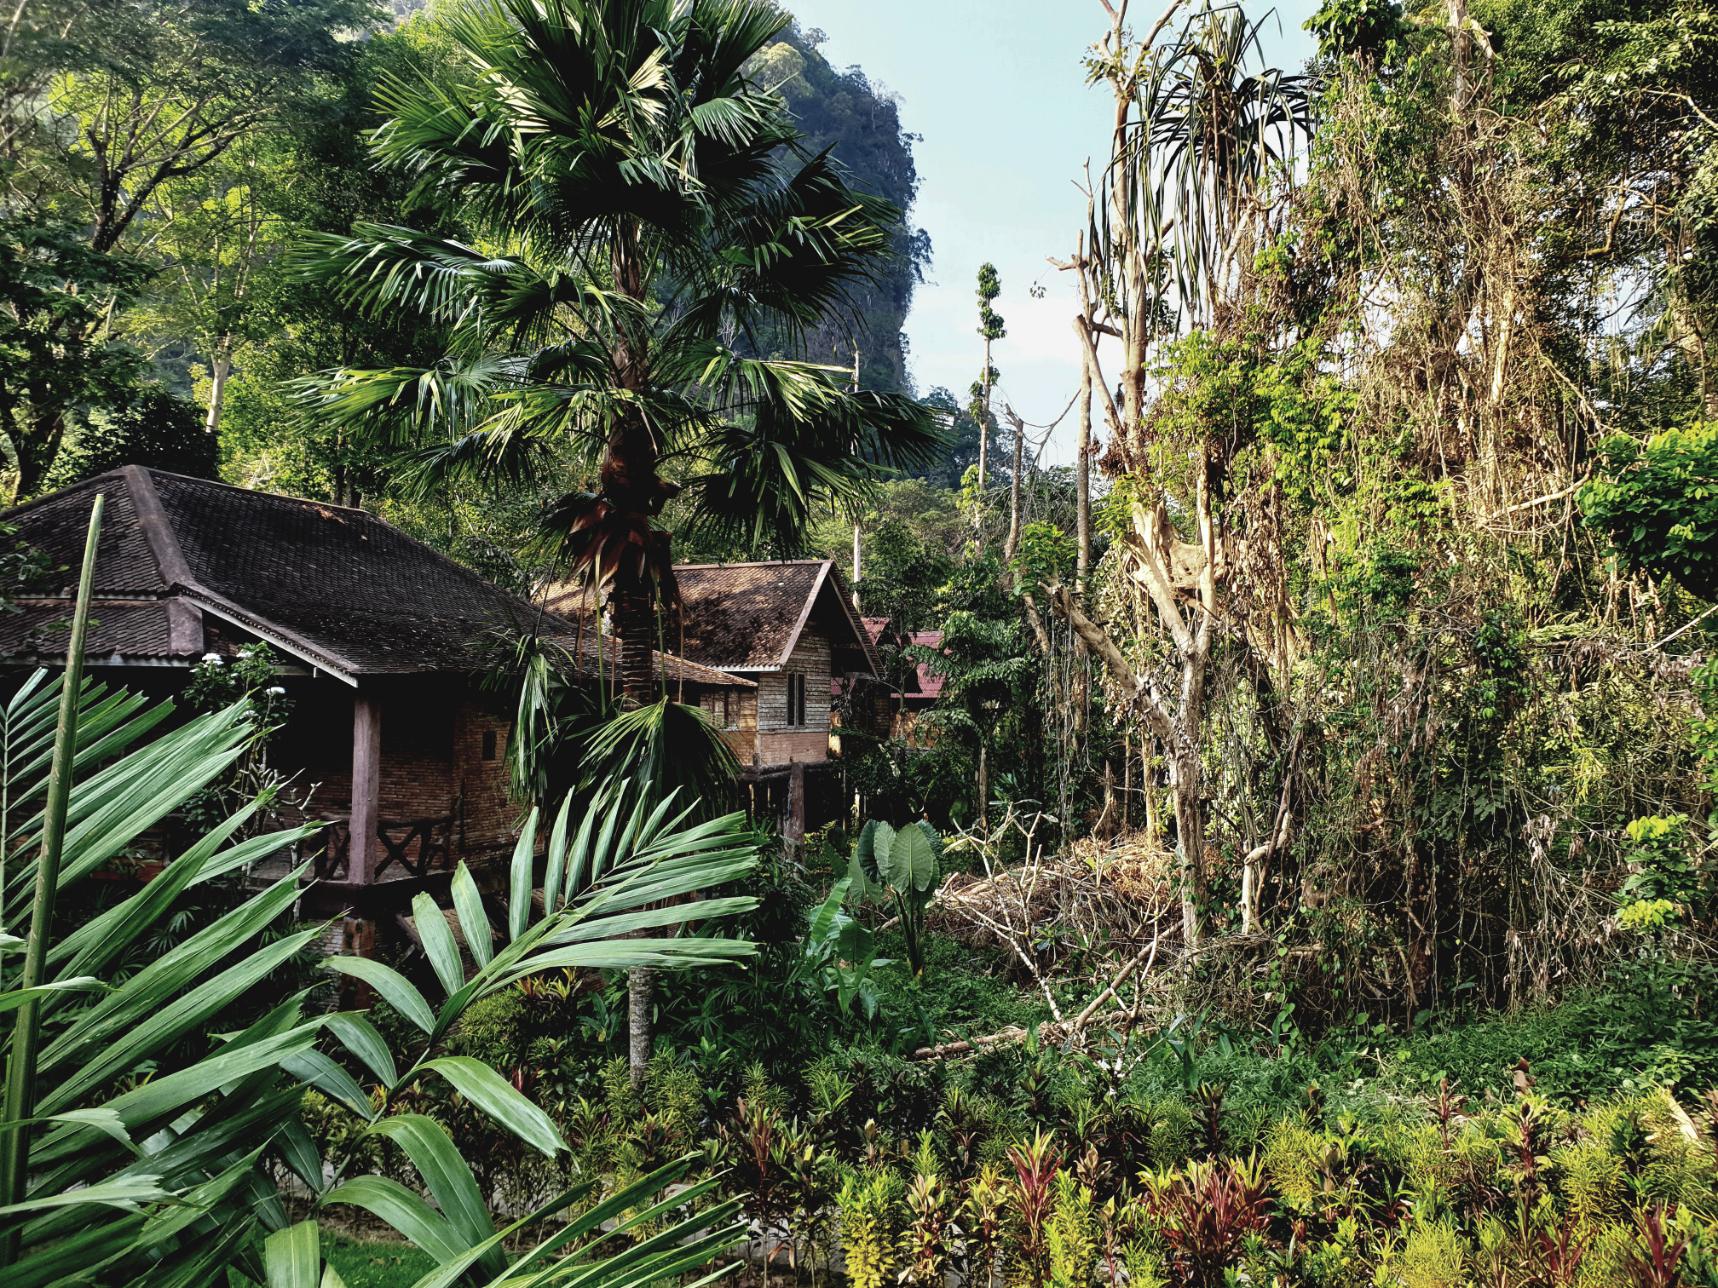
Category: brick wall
[788,747]
[315,750]
[442,746]
[416,778]
[479,766]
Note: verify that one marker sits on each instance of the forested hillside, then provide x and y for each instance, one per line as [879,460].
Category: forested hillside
[860,125]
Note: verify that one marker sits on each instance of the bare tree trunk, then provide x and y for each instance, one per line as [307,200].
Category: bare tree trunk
[1083,483]
[983,430]
[1083,533]
[1185,781]
[220,367]
[1012,546]
[983,789]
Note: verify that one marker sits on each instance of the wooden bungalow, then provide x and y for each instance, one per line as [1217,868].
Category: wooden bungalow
[791,628]
[393,739]
[791,631]
[916,686]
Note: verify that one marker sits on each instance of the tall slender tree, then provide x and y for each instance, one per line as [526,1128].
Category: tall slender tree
[640,214]
[991,327]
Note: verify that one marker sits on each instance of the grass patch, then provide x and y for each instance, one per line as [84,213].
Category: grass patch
[367,1264]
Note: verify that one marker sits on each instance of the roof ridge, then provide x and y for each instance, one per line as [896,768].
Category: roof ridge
[754,563]
[153,470]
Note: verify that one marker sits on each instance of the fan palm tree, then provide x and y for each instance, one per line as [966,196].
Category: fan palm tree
[645,230]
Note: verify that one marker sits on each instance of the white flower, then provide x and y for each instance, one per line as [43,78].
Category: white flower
[213,659]
[244,653]
[275,691]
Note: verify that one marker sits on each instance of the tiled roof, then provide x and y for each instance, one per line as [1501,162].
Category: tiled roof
[336,587]
[749,616]
[118,629]
[745,616]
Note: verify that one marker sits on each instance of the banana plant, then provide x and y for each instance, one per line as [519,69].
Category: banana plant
[147,1109]
[902,867]
[839,954]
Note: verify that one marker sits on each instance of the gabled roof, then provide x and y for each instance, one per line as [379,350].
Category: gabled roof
[748,617]
[335,587]
[924,685]
[930,682]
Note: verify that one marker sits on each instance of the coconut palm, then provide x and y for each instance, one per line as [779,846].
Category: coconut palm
[645,232]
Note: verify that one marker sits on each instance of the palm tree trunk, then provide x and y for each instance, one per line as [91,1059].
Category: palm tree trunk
[640,1001]
[635,636]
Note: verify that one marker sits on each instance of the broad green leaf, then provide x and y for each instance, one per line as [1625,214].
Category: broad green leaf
[473,920]
[316,1069]
[445,1175]
[393,988]
[519,881]
[498,1098]
[827,916]
[875,840]
[438,942]
[555,866]
[13,998]
[122,1192]
[912,860]
[394,1205]
[293,1257]
[360,1037]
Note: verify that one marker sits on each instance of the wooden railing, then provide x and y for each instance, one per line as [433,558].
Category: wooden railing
[411,847]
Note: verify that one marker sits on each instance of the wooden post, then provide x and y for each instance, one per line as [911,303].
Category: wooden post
[366,784]
[796,803]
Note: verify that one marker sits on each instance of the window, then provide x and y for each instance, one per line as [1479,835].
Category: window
[722,708]
[489,744]
[795,699]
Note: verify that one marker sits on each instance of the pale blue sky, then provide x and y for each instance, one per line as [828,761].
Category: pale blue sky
[997,89]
